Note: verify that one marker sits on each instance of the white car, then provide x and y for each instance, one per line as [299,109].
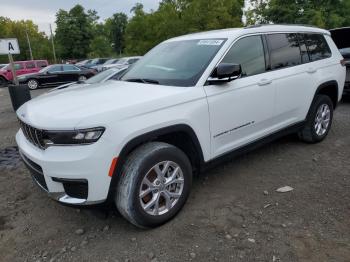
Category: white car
[122,62]
[189,102]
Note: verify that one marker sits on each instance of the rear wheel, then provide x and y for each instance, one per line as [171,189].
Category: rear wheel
[319,120]
[154,184]
[33,84]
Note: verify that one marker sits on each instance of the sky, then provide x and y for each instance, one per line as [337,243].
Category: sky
[42,12]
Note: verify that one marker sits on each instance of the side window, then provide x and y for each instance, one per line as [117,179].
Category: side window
[284,50]
[30,65]
[70,68]
[55,69]
[303,49]
[317,46]
[41,64]
[18,66]
[249,53]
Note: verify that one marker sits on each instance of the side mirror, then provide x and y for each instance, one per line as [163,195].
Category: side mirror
[225,72]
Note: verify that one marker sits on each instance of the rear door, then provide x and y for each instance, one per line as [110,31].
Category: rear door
[30,67]
[292,77]
[241,111]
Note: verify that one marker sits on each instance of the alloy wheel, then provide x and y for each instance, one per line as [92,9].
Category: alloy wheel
[161,188]
[322,119]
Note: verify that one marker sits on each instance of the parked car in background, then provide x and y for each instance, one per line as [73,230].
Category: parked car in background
[110,74]
[21,67]
[83,62]
[3,65]
[342,40]
[56,75]
[111,61]
[95,62]
[191,101]
[122,62]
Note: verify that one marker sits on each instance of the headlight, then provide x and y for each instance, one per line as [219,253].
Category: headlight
[82,136]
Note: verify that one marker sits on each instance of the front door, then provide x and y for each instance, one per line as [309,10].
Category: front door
[242,111]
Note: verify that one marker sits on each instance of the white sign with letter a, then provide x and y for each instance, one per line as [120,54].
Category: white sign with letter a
[9,46]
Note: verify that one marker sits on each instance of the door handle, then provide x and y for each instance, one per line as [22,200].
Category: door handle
[264,82]
[311,70]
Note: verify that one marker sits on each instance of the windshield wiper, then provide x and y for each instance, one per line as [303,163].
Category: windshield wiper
[143,80]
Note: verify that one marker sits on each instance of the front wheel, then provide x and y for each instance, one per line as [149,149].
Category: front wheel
[82,78]
[319,120]
[33,84]
[154,184]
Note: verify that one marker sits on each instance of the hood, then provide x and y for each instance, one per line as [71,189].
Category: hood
[341,37]
[97,104]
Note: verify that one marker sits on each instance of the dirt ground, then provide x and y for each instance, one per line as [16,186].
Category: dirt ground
[233,214]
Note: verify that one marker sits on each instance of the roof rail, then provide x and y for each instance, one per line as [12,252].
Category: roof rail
[260,25]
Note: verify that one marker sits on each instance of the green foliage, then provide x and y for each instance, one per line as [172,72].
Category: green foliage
[115,27]
[40,43]
[322,13]
[177,17]
[74,32]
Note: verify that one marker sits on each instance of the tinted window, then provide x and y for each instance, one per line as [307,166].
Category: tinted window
[317,46]
[70,68]
[41,64]
[249,53]
[303,49]
[284,50]
[30,65]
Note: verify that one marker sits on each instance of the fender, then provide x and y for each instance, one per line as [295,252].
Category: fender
[150,136]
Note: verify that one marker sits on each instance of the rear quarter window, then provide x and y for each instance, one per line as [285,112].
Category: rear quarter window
[317,47]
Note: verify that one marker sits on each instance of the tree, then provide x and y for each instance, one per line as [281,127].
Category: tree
[177,17]
[40,43]
[321,13]
[74,32]
[115,27]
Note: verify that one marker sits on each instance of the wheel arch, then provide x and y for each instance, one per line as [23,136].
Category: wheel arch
[180,135]
[329,88]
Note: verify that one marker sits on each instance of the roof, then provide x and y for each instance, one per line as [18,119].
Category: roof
[235,32]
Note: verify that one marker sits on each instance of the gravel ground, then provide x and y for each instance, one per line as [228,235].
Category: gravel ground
[233,214]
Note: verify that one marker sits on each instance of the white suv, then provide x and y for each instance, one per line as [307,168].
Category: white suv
[188,102]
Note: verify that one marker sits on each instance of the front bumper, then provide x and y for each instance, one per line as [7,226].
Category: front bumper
[74,175]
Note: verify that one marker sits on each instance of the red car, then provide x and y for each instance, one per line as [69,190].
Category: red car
[21,67]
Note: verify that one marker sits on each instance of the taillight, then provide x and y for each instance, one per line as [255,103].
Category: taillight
[343,62]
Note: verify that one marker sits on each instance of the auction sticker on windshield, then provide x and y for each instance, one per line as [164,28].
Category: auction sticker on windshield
[210,42]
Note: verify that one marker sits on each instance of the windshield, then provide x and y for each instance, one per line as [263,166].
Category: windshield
[101,76]
[121,61]
[176,63]
[110,61]
[43,70]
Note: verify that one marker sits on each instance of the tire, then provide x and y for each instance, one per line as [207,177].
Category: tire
[316,129]
[141,164]
[33,84]
[82,78]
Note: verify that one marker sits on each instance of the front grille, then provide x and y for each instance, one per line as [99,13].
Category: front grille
[33,135]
